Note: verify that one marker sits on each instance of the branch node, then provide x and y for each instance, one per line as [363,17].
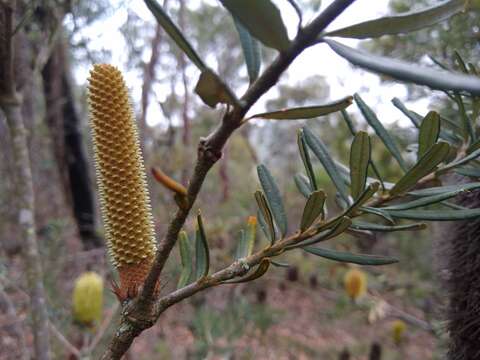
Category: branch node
[207,152]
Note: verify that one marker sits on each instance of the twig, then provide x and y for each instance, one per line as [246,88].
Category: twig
[103,328]
[9,309]
[68,345]
[139,314]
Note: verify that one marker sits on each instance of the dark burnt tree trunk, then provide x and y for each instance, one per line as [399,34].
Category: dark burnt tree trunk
[463,283]
[64,124]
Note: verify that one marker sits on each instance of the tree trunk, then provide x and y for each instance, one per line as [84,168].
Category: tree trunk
[11,105]
[63,121]
[26,206]
[463,264]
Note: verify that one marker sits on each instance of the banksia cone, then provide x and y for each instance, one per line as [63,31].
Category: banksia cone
[121,179]
[398,330]
[355,282]
[88,299]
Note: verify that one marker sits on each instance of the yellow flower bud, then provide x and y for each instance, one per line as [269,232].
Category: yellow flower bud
[124,196]
[88,298]
[355,283]
[398,328]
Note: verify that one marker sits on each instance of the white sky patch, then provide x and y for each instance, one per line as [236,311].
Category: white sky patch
[342,78]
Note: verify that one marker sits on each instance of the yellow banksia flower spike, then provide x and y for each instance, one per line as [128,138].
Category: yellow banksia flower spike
[355,283]
[87,299]
[398,330]
[121,178]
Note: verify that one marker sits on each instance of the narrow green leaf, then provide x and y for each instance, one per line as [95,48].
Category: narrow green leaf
[305,155]
[253,14]
[302,185]
[472,69]
[360,259]
[174,32]
[444,189]
[247,239]
[404,71]
[467,123]
[259,272]
[363,198]
[429,131]
[266,214]
[241,251]
[338,227]
[460,62]
[321,152]
[352,130]
[401,23]
[423,167]
[415,118]
[361,225]
[436,215]
[467,171]
[344,172]
[274,198]
[306,112]
[349,122]
[440,64]
[453,206]
[378,212]
[360,152]
[186,258]
[427,200]
[263,224]
[202,253]
[279,264]
[251,51]
[212,90]
[313,209]
[473,147]
[352,209]
[459,162]
[382,133]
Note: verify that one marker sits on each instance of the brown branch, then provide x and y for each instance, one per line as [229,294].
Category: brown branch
[139,314]
[10,104]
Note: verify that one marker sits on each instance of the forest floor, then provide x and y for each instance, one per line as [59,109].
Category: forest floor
[288,314]
[284,320]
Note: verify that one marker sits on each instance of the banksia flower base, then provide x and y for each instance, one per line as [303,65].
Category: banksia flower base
[121,179]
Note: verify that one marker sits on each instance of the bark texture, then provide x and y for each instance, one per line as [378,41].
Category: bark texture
[26,211]
[463,264]
[11,105]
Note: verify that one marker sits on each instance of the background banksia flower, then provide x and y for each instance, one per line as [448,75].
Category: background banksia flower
[121,179]
[88,298]
[398,328]
[355,283]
